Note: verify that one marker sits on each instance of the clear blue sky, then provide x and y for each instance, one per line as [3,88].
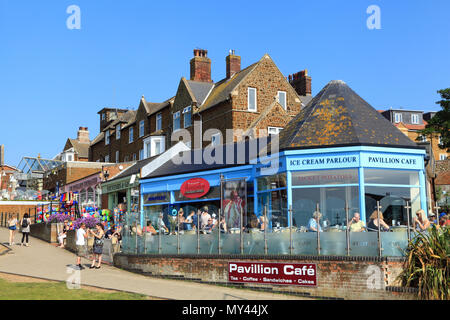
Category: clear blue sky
[54,80]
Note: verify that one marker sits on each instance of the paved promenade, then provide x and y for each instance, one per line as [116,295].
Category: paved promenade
[44,260]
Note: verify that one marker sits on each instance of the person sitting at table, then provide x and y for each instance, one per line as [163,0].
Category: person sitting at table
[209,226]
[188,222]
[420,221]
[314,222]
[149,228]
[373,223]
[223,225]
[161,224]
[356,224]
[180,219]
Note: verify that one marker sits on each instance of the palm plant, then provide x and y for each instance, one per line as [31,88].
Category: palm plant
[427,264]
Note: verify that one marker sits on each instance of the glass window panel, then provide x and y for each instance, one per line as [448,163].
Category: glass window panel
[383,176]
[272,182]
[325,177]
[252,99]
[331,201]
[392,201]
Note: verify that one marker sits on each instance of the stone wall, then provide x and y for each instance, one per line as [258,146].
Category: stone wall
[46,232]
[356,278]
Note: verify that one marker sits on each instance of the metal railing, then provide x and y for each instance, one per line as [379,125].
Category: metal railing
[269,240]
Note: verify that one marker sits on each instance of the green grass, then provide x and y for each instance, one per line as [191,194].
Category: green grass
[57,291]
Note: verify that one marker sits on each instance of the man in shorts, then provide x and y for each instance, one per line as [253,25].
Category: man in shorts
[81,244]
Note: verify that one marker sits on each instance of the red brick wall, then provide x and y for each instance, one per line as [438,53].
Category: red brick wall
[336,278]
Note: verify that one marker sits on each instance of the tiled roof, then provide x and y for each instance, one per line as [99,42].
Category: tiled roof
[81,148]
[338,116]
[223,88]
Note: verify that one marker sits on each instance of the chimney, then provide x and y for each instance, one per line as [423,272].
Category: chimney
[201,66]
[233,64]
[2,155]
[83,135]
[301,82]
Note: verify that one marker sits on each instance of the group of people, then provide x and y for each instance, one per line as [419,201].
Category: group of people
[376,222]
[14,223]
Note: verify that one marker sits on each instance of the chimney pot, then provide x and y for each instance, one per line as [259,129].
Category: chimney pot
[200,66]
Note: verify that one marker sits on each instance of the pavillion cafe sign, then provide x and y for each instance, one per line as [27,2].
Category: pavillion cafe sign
[298,274]
[195,188]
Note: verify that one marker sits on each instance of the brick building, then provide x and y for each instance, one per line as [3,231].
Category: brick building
[250,99]
[410,122]
[76,149]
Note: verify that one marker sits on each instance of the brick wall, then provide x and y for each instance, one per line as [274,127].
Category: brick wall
[338,277]
[17,209]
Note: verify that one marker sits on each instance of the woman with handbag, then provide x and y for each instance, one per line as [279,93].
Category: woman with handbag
[12,226]
[99,236]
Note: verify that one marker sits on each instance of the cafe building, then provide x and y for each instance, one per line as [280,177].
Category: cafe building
[338,156]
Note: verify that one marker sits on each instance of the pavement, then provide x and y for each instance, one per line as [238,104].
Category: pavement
[45,261]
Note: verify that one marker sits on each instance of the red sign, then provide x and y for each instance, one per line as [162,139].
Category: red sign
[194,188]
[298,274]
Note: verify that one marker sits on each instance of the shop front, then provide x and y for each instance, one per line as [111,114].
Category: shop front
[123,191]
[88,189]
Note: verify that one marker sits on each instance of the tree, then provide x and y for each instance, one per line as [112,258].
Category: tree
[440,123]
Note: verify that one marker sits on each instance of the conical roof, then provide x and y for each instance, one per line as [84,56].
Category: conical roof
[337,116]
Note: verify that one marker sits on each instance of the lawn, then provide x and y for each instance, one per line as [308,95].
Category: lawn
[58,291]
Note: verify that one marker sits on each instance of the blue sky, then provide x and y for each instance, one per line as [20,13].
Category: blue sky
[54,80]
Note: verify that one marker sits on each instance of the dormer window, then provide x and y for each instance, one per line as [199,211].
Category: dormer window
[107,137]
[398,117]
[415,118]
[187,117]
[141,128]
[118,132]
[176,121]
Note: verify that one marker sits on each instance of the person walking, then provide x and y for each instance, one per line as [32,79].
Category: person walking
[99,235]
[12,226]
[25,224]
[81,237]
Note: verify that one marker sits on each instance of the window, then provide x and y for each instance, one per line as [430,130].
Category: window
[134,156]
[442,156]
[141,154]
[141,128]
[148,147]
[397,117]
[215,139]
[176,121]
[252,102]
[282,99]
[423,138]
[157,147]
[107,137]
[159,121]
[440,142]
[69,157]
[107,158]
[103,117]
[153,146]
[415,119]
[130,132]
[118,132]
[117,156]
[274,130]
[187,117]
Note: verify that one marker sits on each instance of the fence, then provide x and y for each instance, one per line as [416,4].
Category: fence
[332,241]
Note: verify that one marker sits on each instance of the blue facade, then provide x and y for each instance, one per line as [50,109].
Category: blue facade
[327,178]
